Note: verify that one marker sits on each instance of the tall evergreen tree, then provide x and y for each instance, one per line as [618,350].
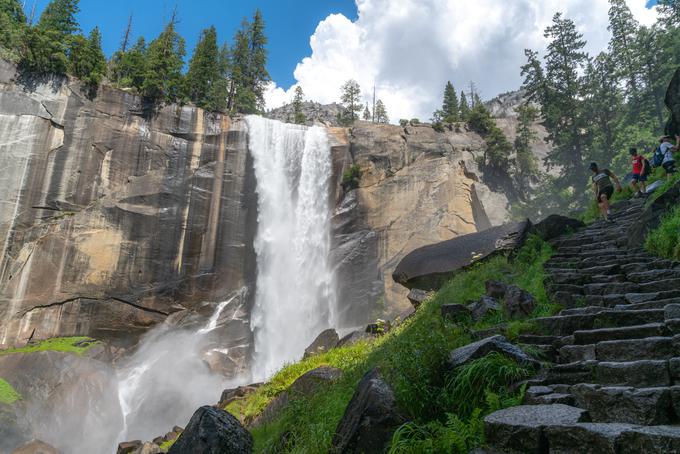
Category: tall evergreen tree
[128,68]
[525,135]
[350,96]
[205,73]
[299,115]
[381,112]
[670,11]
[367,114]
[60,16]
[498,148]
[623,50]
[164,62]
[258,74]
[464,106]
[450,105]
[12,25]
[86,58]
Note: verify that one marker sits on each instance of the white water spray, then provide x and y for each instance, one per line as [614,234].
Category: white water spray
[295,298]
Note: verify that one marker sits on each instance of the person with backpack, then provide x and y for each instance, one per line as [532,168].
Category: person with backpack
[603,188]
[657,157]
[641,170]
[667,148]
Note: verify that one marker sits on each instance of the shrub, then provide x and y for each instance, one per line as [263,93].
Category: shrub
[664,241]
[403,122]
[414,122]
[438,126]
[351,177]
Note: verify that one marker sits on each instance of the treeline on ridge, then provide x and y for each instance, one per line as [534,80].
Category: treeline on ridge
[218,78]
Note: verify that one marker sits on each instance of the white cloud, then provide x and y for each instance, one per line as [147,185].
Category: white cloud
[410,48]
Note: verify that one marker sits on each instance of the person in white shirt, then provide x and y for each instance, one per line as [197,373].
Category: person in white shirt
[667,149]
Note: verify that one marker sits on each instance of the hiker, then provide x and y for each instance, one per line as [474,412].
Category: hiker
[641,170]
[603,188]
[667,148]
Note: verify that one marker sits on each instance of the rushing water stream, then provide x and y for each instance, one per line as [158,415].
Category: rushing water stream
[295,298]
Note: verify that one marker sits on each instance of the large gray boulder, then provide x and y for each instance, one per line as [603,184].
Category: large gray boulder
[370,419]
[556,225]
[479,349]
[430,266]
[672,101]
[213,431]
[325,341]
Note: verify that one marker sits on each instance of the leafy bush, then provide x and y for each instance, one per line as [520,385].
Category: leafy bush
[664,241]
[403,122]
[351,177]
[414,122]
[438,126]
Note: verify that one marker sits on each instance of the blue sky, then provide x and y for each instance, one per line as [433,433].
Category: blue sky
[290,23]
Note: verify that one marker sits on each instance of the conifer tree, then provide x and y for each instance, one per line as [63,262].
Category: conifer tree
[258,74]
[623,50]
[350,96]
[12,25]
[86,58]
[464,107]
[164,62]
[498,148]
[450,105]
[128,68]
[670,11]
[381,112]
[367,114]
[299,115]
[525,135]
[60,16]
[206,72]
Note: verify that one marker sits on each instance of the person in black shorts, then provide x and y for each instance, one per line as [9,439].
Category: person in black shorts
[603,188]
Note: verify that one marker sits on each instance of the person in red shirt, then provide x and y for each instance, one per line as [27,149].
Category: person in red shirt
[639,182]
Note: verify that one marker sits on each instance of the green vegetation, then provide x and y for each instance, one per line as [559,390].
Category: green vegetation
[351,177]
[8,395]
[298,114]
[77,345]
[412,357]
[664,241]
[350,95]
[166,445]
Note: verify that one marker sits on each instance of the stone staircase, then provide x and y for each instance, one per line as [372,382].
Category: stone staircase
[613,383]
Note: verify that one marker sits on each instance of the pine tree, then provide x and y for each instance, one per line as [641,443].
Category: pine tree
[299,115]
[624,29]
[259,76]
[381,112]
[367,114]
[464,107]
[12,25]
[498,148]
[525,135]
[534,78]
[86,58]
[450,105]
[164,62]
[205,73]
[60,16]
[351,94]
[670,11]
[128,68]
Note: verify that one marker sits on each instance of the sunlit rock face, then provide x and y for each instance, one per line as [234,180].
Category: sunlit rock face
[418,187]
[113,214]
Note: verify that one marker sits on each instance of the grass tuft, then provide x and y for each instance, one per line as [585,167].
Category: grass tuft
[8,395]
[664,241]
[56,344]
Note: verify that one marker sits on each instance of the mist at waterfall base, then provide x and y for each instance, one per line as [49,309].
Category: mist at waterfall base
[295,295]
[159,386]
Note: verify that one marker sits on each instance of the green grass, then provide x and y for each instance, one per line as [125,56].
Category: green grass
[57,344]
[412,358]
[664,241]
[166,445]
[8,395]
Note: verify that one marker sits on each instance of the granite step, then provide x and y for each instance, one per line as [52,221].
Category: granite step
[594,336]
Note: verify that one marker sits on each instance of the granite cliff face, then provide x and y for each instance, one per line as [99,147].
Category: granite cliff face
[114,215]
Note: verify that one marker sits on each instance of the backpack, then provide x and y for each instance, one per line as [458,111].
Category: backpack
[647,167]
[657,159]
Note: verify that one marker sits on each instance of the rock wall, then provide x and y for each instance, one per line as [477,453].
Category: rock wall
[113,214]
[418,187]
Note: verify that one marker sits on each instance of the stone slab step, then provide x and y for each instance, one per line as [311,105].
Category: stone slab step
[660,286]
[634,349]
[564,325]
[654,275]
[642,373]
[653,265]
[585,438]
[646,406]
[614,287]
[660,304]
[628,332]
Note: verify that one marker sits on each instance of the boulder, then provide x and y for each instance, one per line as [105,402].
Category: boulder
[354,337]
[129,447]
[672,101]
[370,419]
[213,431]
[479,349]
[35,447]
[232,394]
[325,341]
[455,312]
[148,448]
[586,438]
[417,296]
[522,429]
[495,289]
[518,303]
[556,225]
[484,306]
[430,266]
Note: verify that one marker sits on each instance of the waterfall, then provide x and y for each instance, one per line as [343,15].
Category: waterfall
[295,296]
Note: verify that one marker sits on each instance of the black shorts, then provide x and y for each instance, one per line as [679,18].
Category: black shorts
[607,190]
[669,166]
